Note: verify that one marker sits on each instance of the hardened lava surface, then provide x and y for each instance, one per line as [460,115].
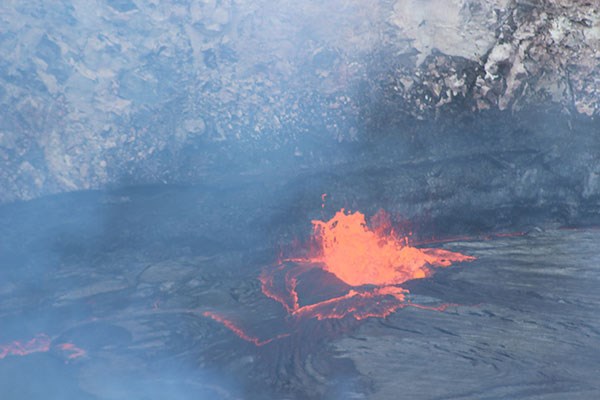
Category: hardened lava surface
[104,295]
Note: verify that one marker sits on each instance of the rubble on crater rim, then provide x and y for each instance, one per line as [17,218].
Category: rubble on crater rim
[89,98]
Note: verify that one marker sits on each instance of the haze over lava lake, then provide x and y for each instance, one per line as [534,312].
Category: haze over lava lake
[116,282]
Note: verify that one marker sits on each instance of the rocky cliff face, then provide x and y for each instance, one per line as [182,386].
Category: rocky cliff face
[95,93]
[503,54]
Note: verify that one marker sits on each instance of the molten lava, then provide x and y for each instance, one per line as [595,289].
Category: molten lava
[361,268]
[359,255]
[72,352]
[41,343]
[239,331]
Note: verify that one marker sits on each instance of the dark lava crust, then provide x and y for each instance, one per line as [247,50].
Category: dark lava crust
[126,275]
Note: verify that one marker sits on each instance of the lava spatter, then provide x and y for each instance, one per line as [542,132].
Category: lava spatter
[360,255]
[354,268]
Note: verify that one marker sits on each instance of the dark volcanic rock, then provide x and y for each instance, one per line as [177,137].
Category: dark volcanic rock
[522,324]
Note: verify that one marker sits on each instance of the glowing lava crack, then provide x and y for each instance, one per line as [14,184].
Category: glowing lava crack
[353,269]
[41,343]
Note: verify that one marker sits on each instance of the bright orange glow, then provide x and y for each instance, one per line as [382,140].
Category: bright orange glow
[239,331]
[368,263]
[379,303]
[359,255]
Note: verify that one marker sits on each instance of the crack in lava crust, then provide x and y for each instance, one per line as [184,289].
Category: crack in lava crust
[357,267]
[41,343]
[239,331]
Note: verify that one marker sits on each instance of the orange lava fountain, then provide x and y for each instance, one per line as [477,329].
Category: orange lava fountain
[368,262]
[359,255]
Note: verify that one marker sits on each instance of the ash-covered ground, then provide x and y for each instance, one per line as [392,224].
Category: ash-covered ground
[117,283]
